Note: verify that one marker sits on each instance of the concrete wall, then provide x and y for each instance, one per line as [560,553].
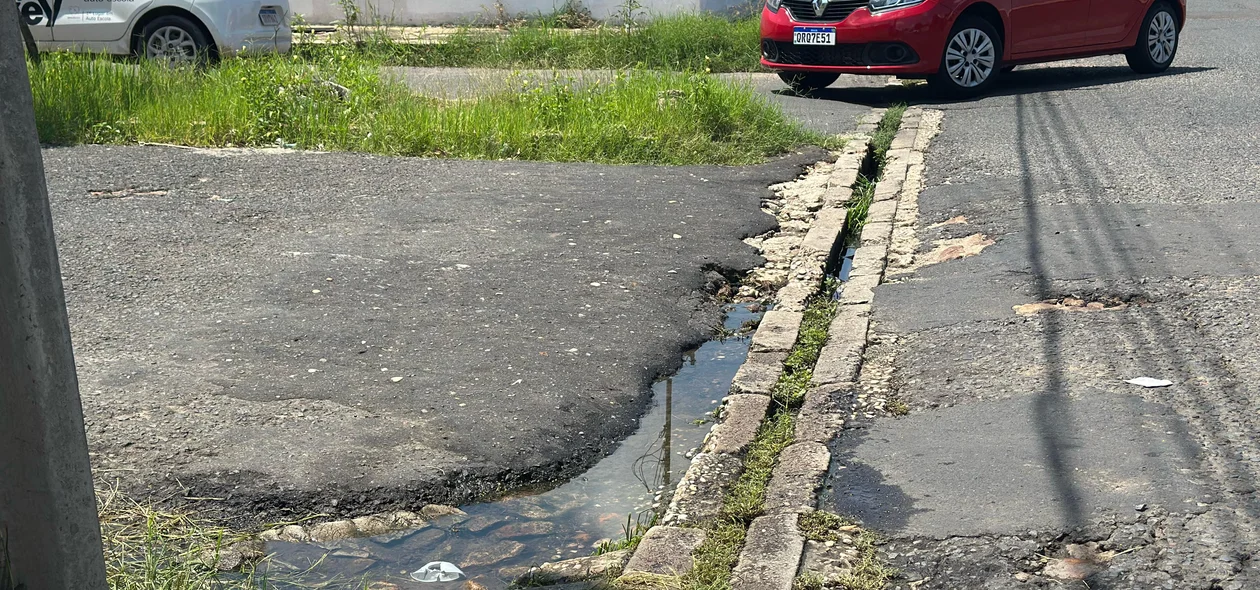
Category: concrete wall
[432,12]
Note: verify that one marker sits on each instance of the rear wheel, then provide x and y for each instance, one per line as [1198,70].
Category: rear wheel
[972,58]
[174,39]
[1157,41]
[807,82]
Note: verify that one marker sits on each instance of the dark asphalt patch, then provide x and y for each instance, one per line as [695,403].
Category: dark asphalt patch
[350,333]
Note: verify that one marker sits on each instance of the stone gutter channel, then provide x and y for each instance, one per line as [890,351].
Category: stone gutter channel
[774,548]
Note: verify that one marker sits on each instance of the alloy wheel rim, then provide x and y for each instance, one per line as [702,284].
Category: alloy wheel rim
[172,44]
[970,58]
[1161,39]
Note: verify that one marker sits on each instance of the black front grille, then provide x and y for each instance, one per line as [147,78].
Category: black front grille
[843,54]
[847,54]
[837,10]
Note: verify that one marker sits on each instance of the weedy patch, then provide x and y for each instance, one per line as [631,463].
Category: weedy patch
[864,191]
[343,102]
[701,42]
[717,556]
[866,572]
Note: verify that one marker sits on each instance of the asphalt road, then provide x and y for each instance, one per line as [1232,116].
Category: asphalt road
[1023,437]
[349,333]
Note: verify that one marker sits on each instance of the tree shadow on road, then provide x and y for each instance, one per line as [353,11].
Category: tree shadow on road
[1018,82]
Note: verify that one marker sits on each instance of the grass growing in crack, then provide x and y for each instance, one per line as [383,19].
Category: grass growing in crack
[864,191]
[699,42]
[809,581]
[746,498]
[868,573]
[798,370]
[632,531]
[886,131]
[745,501]
[897,407]
[639,117]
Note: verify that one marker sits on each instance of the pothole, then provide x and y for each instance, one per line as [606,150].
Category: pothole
[1073,304]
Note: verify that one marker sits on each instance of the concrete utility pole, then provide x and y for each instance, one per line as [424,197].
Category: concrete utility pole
[48,517]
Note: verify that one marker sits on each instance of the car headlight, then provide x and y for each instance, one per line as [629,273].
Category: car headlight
[882,5]
[773,5]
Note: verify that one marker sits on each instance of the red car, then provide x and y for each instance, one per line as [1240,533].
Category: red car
[961,46]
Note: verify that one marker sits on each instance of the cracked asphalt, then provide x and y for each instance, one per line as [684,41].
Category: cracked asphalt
[1026,460]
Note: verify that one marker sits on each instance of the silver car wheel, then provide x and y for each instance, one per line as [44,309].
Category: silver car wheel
[171,44]
[970,58]
[1161,39]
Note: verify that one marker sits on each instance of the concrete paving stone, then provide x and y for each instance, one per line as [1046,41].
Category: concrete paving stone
[882,212]
[741,417]
[777,331]
[759,373]
[792,296]
[889,188]
[575,570]
[905,138]
[869,261]
[665,550]
[877,234]
[841,357]
[859,290]
[698,497]
[898,157]
[797,477]
[771,554]
[824,412]
[825,231]
[837,195]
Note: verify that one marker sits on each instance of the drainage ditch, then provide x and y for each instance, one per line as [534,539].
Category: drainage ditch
[495,542]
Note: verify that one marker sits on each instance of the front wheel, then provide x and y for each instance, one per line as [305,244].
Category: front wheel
[971,62]
[175,40]
[1157,44]
[807,82]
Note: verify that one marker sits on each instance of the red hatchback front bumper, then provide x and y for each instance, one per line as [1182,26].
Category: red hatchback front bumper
[907,42]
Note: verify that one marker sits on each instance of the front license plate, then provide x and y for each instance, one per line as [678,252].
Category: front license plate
[813,35]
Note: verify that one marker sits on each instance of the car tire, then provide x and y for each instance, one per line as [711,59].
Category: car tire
[972,59]
[807,82]
[1158,40]
[174,39]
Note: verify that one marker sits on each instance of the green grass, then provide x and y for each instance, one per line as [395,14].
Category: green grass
[869,573]
[745,501]
[864,191]
[639,117]
[685,42]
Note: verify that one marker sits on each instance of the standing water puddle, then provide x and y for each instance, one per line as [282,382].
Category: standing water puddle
[497,541]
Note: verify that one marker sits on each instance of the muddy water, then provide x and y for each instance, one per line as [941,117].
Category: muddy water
[497,540]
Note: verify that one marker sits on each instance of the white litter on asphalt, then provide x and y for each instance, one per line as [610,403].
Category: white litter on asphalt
[1149,382]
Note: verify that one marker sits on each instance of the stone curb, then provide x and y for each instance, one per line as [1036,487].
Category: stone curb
[771,554]
[777,331]
[699,494]
[665,551]
[741,417]
[773,551]
[797,477]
